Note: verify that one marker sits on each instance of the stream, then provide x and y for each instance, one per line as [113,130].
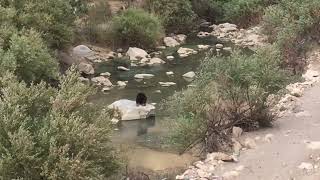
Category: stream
[143,137]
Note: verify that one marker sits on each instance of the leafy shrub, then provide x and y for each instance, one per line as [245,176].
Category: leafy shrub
[53,18]
[177,15]
[28,56]
[137,27]
[230,91]
[53,134]
[289,24]
[244,12]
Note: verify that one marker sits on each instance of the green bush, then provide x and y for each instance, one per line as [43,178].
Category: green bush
[53,134]
[289,24]
[28,57]
[177,15]
[244,12]
[53,18]
[230,91]
[135,27]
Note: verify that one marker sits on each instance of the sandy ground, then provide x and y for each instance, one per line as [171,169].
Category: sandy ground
[280,158]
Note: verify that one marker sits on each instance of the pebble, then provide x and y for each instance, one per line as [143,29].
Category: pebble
[268,137]
[305,166]
[123,68]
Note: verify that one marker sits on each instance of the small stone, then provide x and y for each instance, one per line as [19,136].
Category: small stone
[170,58]
[220,156]
[161,47]
[170,73]
[102,81]
[203,47]
[167,84]
[229,49]
[190,75]
[314,145]
[155,61]
[219,46]
[158,91]
[185,52]
[115,121]
[250,143]
[123,68]
[257,138]
[305,166]
[105,74]
[236,132]
[143,76]
[122,83]
[268,137]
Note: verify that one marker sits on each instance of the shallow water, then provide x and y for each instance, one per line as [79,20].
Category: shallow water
[147,133]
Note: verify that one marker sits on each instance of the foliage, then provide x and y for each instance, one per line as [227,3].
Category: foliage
[53,134]
[53,19]
[97,25]
[230,91]
[177,15]
[289,24]
[137,27]
[29,58]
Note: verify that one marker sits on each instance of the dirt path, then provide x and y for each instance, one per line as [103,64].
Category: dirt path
[293,135]
[280,158]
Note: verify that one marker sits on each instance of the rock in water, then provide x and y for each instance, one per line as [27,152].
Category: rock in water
[130,111]
[185,52]
[190,75]
[143,76]
[136,53]
[170,42]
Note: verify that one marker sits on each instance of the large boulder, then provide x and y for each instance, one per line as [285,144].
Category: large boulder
[130,111]
[181,38]
[170,42]
[136,53]
[102,81]
[85,68]
[185,52]
[155,61]
[82,51]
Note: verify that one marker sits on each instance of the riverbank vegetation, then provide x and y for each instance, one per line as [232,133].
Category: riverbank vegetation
[233,91]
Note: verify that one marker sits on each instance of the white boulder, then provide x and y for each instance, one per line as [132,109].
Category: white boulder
[130,111]
[82,51]
[136,53]
[170,42]
[167,84]
[170,58]
[105,74]
[169,73]
[189,75]
[121,68]
[181,38]
[102,81]
[203,47]
[185,52]
[143,76]
[219,46]
[122,83]
[155,61]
